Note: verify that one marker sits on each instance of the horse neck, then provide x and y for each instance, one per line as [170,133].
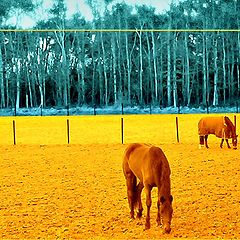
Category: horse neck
[230,126]
[165,188]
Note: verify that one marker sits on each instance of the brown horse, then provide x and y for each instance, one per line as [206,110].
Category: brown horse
[150,166]
[221,127]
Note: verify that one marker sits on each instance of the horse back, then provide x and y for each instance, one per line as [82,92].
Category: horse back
[211,125]
[147,163]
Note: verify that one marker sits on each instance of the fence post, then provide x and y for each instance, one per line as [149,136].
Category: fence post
[177,129]
[235,123]
[68,131]
[14,133]
[122,130]
[122,109]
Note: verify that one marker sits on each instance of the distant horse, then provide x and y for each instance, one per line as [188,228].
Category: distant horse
[221,127]
[150,166]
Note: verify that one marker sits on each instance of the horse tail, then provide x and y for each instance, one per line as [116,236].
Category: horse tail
[129,175]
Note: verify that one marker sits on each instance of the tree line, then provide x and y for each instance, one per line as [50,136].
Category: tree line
[186,56]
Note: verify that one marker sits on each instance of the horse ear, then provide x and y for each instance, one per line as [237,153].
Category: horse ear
[162,199]
[171,198]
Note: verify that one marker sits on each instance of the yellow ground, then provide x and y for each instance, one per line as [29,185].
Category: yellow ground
[49,189]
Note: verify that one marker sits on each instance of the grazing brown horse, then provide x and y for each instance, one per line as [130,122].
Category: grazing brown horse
[149,165]
[221,127]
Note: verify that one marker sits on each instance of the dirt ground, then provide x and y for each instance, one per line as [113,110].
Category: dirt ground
[54,190]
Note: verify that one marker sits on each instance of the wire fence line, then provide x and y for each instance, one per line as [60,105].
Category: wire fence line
[120,30]
[88,130]
[112,129]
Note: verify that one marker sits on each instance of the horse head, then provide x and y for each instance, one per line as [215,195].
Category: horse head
[166,212]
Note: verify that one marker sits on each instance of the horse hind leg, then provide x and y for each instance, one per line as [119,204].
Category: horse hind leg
[131,185]
[140,207]
[148,189]
[158,210]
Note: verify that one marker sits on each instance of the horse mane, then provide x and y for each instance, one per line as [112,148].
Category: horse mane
[164,169]
[230,126]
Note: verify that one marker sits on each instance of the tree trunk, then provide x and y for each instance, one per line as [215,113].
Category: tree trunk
[204,70]
[155,68]
[215,84]
[175,96]
[169,100]
[150,80]
[161,97]
[187,67]
[128,68]
[140,67]
[64,70]
[83,69]
[114,68]
[224,70]
[2,81]
[104,71]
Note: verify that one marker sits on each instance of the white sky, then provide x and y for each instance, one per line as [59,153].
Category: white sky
[79,6]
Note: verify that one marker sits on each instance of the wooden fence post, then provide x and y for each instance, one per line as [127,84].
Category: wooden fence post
[122,130]
[177,129]
[68,131]
[14,133]
[235,123]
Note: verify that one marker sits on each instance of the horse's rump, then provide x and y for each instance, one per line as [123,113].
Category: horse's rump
[146,160]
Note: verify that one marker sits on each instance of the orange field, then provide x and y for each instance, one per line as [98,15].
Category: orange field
[53,190]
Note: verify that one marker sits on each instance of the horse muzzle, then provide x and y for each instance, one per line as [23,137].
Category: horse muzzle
[167,230]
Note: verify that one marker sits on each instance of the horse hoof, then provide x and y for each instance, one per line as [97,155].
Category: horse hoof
[147,226]
[139,215]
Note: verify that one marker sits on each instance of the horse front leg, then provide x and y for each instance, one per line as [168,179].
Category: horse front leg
[158,210]
[148,203]
[201,141]
[140,207]
[227,143]
[206,143]
[221,144]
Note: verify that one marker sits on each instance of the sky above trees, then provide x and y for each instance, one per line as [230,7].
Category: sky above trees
[29,20]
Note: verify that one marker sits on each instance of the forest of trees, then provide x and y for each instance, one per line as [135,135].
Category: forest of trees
[189,56]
